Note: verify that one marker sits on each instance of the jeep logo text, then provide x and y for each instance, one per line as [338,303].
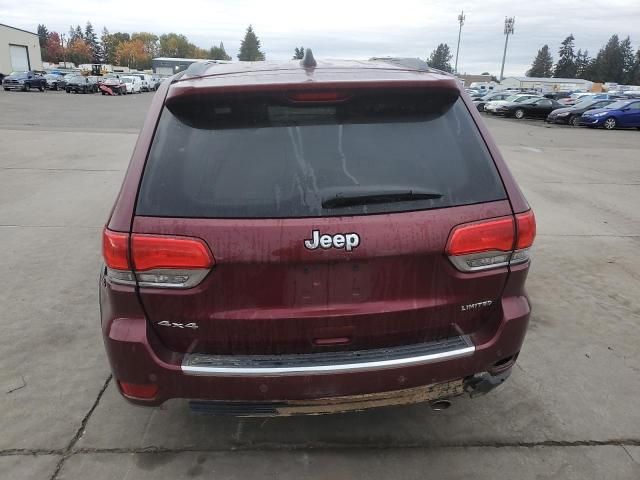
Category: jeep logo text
[348,241]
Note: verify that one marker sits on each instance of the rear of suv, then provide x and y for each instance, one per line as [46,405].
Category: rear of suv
[313,238]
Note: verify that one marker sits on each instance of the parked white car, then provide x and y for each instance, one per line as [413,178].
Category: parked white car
[132,83]
[492,106]
[147,82]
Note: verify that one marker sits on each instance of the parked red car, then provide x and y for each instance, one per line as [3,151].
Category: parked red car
[313,238]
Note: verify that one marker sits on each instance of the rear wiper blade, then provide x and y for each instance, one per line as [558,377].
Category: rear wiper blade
[370,196]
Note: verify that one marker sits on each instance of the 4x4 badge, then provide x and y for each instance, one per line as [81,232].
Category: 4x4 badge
[348,241]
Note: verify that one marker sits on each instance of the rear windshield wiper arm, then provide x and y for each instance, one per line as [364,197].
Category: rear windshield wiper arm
[369,196]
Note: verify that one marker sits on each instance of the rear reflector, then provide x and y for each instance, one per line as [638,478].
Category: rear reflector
[157,261]
[138,391]
[491,243]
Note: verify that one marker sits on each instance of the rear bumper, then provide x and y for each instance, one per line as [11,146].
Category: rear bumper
[137,356]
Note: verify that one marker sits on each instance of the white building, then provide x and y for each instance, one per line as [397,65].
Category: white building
[547,84]
[19,50]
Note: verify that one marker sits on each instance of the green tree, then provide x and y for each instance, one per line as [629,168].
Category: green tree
[298,53]
[609,63]
[218,53]
[633,77]
[175,46]
[92,40]
[43,34]
[566,66]
[628,60]
[582,63]
[440,58]
[250,47]
[542,65]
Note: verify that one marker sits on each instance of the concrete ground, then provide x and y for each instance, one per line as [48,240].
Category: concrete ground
[569,411]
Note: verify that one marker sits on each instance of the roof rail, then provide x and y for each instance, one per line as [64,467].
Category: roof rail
[410,63]
[198,68]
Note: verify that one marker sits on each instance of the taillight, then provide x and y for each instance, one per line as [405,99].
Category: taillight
[319,96]
[156,260]
[491,243]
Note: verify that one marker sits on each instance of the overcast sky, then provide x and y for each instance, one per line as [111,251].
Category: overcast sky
[353,28]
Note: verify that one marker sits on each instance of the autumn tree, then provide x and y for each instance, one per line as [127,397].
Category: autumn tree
[53,48]
[132,54]
[110,42]
[250,47]
[79,51]
[150,42]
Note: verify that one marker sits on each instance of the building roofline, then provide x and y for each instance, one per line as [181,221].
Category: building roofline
[19,29]
[551,79]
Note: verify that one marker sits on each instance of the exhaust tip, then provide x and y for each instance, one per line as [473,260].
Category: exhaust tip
[440,405]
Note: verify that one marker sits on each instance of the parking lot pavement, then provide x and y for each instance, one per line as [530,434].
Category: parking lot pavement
[568,410]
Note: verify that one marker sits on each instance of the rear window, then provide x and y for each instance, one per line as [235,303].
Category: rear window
[262,157]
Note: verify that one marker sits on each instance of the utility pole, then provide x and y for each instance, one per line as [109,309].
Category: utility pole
[461,21]
[508,30]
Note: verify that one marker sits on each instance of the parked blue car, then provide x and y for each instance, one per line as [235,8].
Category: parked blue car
[623,113]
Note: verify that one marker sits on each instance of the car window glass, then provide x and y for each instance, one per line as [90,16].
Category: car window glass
[204,163]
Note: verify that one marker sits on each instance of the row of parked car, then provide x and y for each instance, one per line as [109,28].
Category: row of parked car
[112,84]
[606,110]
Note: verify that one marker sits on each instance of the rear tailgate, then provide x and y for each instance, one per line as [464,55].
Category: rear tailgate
[248,175]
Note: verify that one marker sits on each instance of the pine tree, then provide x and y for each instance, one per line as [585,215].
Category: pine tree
[78,32]
[633,78]
[566,66]
[92,40]
[250,47]
[43,34]
[628,60]
[298,53]
[609,64]
[582,63]
[440,58]
[542,65]
[218,53]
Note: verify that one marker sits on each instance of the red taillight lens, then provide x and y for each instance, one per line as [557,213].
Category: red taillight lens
[151,252]
[115,246]
[496,234]
[319,96]
[526,229]
[156,261]
[139,391]
[491,243]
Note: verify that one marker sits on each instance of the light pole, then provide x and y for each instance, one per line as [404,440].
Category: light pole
[461,21]
[508,30]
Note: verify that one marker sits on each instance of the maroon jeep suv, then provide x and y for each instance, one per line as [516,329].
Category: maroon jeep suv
[314,237]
